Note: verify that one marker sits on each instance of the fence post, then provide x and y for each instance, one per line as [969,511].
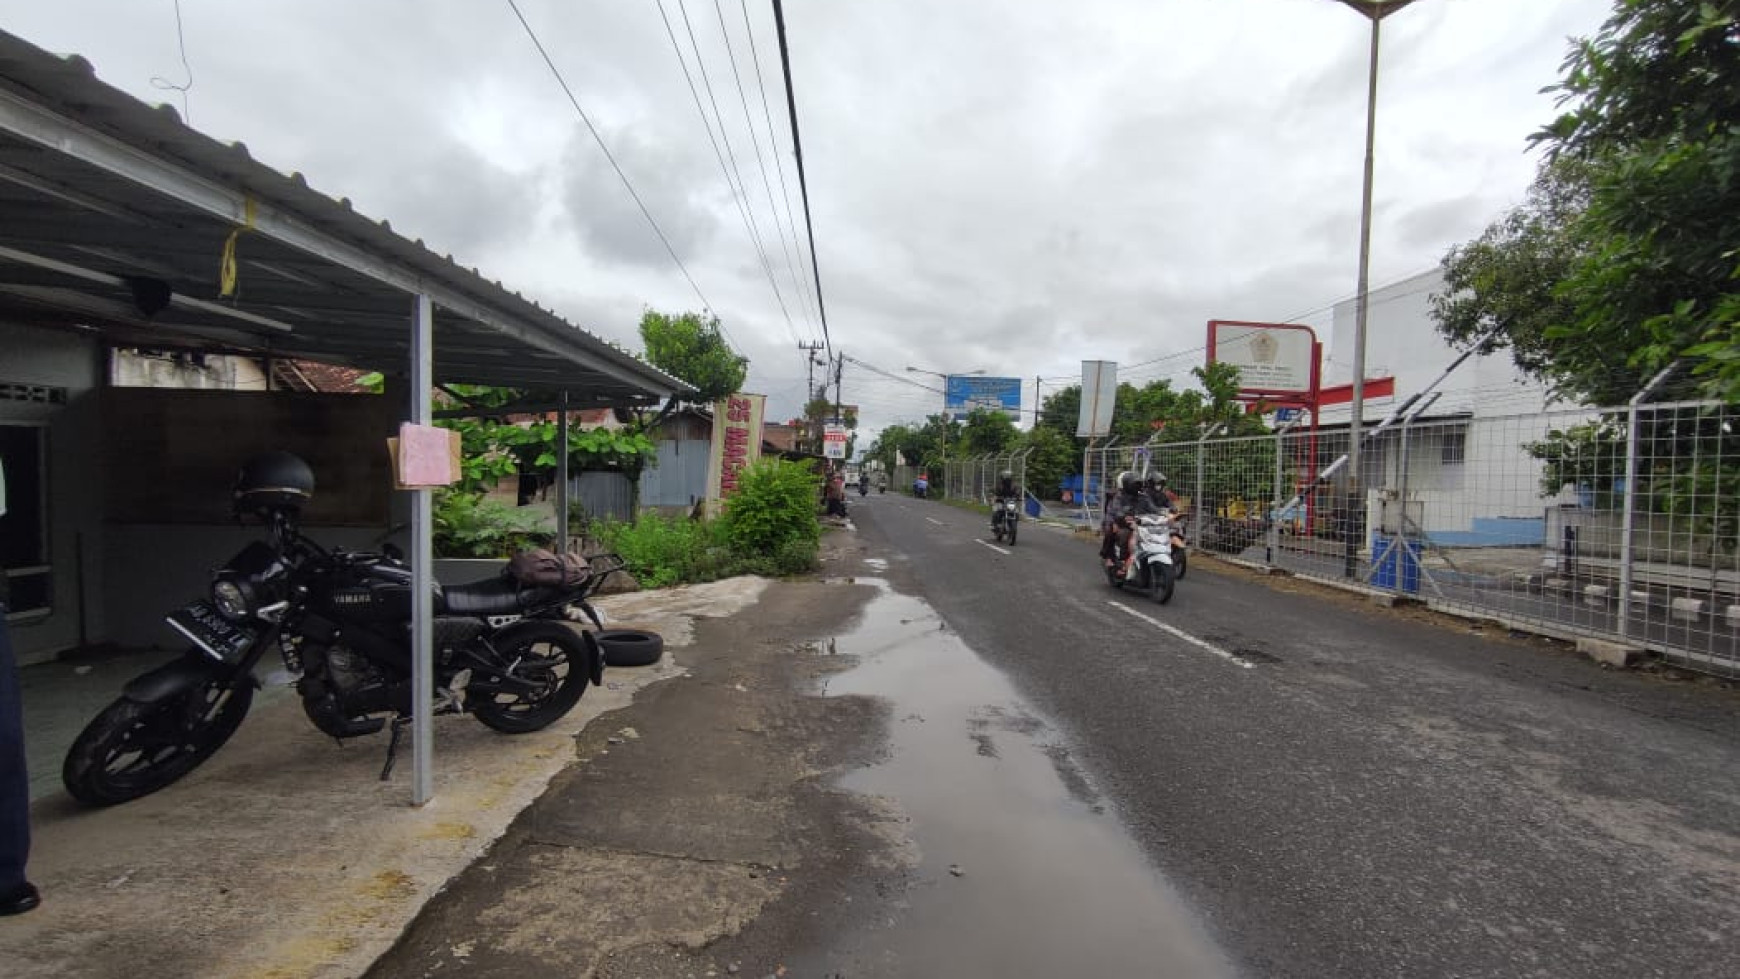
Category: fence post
[1629,518]
[1201,480]
[1272,543]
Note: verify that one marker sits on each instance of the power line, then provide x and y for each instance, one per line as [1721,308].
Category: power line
[755,141]
[797,147]
[754,229]
[736,197]
[626,183]
[778,165]
[872,368]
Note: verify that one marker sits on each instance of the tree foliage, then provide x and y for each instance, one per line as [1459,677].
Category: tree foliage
[692,347]
[1624,258]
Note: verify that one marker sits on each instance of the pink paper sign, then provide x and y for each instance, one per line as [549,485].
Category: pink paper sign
[426,456]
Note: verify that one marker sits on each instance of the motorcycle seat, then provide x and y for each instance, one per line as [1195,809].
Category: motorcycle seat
[494,596]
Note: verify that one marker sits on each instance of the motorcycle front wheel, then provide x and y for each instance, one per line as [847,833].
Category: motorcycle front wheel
[551,660]
[1012,525]
[132,749]
[1164,582]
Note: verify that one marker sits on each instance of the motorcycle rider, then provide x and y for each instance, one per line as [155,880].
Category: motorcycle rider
[1121,513]
[1165,499]
[1155,487]
[1005,490]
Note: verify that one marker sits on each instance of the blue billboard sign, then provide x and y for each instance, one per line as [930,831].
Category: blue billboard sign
[964,394]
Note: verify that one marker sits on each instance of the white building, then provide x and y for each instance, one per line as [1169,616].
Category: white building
[1468,478]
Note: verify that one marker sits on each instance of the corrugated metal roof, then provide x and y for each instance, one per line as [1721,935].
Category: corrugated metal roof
[64,217]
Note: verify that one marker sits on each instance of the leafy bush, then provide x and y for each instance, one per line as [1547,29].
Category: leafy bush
[775,503]
[472,525]
[769,528]
[660,551]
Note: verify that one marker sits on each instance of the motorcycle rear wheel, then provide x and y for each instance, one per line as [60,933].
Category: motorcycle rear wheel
[132,749]
[551,655]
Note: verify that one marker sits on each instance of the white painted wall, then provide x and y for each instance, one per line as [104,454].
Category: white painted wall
[1402,341]
[1505,408]
[70,360]
[130,369]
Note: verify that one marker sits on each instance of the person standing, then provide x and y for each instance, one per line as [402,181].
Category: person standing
[17,895]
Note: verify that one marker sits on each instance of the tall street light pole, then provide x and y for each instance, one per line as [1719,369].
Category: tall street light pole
[1376,11]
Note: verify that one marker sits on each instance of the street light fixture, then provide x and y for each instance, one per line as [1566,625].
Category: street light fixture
[945,411]
[1376,11]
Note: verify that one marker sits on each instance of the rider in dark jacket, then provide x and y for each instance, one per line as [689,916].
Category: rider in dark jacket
[1005,490]
[1121,513]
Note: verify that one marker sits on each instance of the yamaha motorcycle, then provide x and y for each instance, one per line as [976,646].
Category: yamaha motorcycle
[341,621]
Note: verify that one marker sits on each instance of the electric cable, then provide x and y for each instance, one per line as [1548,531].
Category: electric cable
[626,183]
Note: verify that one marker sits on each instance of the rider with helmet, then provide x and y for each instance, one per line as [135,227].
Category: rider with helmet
[1004,490]
[1121,513]
[1155,487]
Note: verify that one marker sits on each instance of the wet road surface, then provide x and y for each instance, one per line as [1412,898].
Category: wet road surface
[1018,870]
[1339,790]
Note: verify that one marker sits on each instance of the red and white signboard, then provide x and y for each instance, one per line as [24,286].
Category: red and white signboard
[834,442]
[736,442]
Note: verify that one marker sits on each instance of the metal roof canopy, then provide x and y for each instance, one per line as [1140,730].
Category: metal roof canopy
[102,197]
[115,216]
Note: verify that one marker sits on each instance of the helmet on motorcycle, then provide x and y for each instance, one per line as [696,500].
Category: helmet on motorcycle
[1129,482]
[1006,475]
[272,481]
[1157,479]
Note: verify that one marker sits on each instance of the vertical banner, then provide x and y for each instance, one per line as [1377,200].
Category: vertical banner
[1099,393]
[736,444]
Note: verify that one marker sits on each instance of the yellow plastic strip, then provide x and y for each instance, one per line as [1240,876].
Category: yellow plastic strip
[227,265]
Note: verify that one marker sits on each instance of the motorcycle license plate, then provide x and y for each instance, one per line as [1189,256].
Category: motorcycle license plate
[205,627]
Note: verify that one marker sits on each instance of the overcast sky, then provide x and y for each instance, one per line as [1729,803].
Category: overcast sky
[1005,185]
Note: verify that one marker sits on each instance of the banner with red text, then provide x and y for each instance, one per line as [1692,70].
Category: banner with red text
[736,444]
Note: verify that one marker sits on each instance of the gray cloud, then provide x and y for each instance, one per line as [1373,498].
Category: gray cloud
[1012,187]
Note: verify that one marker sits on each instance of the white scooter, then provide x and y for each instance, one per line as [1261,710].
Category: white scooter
[1152,572]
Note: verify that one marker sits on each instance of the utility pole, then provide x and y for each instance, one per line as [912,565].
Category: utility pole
[810,362]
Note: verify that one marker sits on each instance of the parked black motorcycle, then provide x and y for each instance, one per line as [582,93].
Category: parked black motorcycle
[341,621]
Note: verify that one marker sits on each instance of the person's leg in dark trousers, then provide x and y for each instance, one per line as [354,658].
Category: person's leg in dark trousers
[16,894]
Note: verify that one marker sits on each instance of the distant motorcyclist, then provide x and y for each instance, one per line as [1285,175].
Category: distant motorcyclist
[1121,513]
[863,484]
[1004,490]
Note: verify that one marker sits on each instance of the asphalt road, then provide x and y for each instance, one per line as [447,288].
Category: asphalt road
[1342,790]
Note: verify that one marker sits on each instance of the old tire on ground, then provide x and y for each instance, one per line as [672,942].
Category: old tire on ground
[630,647]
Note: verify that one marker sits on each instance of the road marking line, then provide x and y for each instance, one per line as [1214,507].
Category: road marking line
[934,520]
[1187,637]
[993,547]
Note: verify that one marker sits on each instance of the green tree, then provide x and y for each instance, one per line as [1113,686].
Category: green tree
[692,347]
[1623,260]
[987,430]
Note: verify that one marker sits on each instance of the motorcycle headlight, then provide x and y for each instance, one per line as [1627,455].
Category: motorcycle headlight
[231,600]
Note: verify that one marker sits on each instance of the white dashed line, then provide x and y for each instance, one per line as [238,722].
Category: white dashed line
[1187,637]
[993,547]
[934,520]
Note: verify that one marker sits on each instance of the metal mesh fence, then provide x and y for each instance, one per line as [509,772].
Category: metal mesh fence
[1615,523]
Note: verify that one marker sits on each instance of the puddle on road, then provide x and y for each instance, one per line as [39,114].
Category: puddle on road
[1020,872]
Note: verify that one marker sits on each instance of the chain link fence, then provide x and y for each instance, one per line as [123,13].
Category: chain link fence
[1617,524]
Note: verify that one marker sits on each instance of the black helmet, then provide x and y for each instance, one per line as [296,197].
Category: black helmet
[1157,479]
[274,480]
[1006,475]
[1129,481]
